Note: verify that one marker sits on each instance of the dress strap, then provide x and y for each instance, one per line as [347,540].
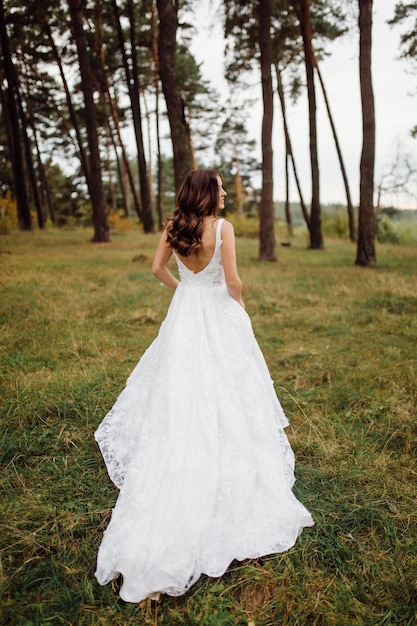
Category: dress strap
[219,231]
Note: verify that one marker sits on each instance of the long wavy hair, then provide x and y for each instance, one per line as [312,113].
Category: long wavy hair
[198,196]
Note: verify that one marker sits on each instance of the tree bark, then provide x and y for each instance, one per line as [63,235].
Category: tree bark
[365,254]
[180,132]
[44,191]
[138,206]
[19,180]
[33,181]
[302,8]
[134,90]
[71,110]
[240,195]
[101,228]
[115,133]
[288,145]
[266,209]
[155,57]
[351,217]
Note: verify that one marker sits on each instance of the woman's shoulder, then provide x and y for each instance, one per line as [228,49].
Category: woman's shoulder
[227,227]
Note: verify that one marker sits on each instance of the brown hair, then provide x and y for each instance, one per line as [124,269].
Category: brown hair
[198,196]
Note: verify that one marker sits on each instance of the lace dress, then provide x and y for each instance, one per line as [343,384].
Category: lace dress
[196,444]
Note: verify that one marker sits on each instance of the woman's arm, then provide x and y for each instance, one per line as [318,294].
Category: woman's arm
[159,266]
[233,282]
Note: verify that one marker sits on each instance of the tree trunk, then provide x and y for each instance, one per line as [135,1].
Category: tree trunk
[365,254]
[19,180]
[110,147]
[28,153]
[145,193]
[138,206]
[238,186]
[74,121]
[124,177]
[288,146]
[115,133]
[266,208]
[351,217]
[101,228]
[45,192]
[155,58]
[302,8]
[111,101]
[280,90]
[180,132]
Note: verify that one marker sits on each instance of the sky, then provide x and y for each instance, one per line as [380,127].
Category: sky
[395,106]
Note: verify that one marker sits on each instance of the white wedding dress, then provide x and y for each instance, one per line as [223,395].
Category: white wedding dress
[196,444]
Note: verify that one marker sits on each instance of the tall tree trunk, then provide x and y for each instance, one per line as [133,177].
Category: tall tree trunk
[280,89]
[288,146]
[71,110]
[149,140]
[266,208]
[19,180]
[116,12]
[101,228]
[145,193]
[39,184]
[155,57]
[238,185]
[365,254]
[302,8]
[180,132]
[115,133]
[110,148]
[102,88]
[28,153]
[351,217]
[45,192]
[124,177]
[288,217]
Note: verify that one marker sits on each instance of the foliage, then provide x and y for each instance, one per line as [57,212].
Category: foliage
[385,232]
[8,214]
[405,14]
[119,223]
[340,344]
[236,163]
[245,226]
[335,224]
[397,226]
[67,198]
[44,55]
[241,30]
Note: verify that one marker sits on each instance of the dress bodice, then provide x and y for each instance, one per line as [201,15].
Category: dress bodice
[212,275]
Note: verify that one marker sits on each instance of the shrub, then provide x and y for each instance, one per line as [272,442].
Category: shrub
[386,232]
[8,214]
[244,225]
[119,223]
[335,225]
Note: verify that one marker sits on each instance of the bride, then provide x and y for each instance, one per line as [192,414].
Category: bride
[195,442]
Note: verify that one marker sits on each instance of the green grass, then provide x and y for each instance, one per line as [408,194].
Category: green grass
[340,342]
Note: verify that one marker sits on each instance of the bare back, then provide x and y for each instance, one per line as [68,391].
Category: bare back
[195,262]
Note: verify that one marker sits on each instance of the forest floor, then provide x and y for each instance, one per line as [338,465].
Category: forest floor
[341,345]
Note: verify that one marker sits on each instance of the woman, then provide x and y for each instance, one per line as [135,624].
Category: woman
[196,442]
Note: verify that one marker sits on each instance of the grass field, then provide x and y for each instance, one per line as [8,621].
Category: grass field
[340,342]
